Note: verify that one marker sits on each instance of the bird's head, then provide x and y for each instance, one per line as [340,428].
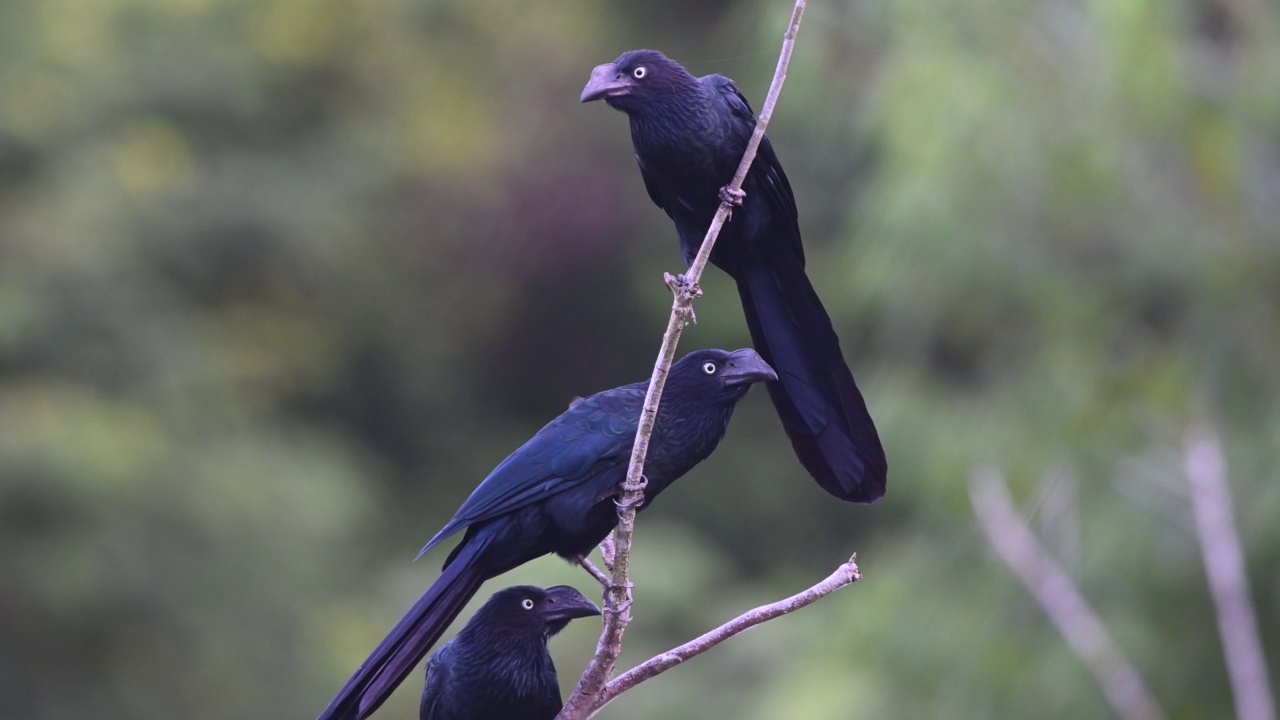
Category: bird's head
[721,373]
[545,612]
[636,80]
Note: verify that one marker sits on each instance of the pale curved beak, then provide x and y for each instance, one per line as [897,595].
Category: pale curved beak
[746,366]
[606,82]
[565,603]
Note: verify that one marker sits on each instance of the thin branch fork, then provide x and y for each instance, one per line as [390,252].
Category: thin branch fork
[617,597]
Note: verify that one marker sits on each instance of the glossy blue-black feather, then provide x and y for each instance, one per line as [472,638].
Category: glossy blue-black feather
[595,429]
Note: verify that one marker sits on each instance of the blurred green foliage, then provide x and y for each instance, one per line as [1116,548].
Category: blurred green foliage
[281,280]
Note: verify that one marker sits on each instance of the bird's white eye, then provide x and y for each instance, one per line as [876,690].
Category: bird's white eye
[709,368]
[640,72]
[527,604]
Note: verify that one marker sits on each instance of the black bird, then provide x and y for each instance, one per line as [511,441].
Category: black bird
[689,134]
[498,667]
[556,495]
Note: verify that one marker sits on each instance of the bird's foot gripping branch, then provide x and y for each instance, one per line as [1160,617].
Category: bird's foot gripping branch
[621,606]
[632,495]
[732,196]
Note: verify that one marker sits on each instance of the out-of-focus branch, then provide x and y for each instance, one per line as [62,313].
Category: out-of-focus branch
[846,574]
[1224,565]
[1062,601]
[617,596]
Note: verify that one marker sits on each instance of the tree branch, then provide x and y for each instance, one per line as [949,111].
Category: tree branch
[846,574]
[585,563]
[1062,601]
[617,597]
[1228,583]
[607,551]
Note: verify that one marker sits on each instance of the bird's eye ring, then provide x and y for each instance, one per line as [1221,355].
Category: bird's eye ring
[527,604]
[709,368]
[640,72]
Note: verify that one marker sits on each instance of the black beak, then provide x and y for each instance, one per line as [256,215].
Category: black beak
[744,367]
[564,603]
[606,82]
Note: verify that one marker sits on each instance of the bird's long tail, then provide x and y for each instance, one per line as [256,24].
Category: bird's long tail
[821,409]
[411,638]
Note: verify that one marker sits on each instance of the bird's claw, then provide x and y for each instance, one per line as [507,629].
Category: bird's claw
[637,487]
[625,501]
[624,607]
[732,197]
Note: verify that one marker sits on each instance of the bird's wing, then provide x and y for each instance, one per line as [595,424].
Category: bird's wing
[568,451]
[431,707]
[765,169]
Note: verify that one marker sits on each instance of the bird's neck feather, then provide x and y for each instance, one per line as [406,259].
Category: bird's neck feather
[520,658]
[676,125]
[690,436]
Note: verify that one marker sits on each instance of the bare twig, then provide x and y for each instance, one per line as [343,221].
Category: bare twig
[594,571]
[1224,565]
[1045,579]
[749,155]
[846,574]
[617,596]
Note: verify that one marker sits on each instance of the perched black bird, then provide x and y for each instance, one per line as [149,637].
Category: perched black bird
[689,134]
[498,667]
[556,495]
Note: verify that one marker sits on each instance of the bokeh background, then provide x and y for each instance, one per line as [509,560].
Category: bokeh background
[282,280]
